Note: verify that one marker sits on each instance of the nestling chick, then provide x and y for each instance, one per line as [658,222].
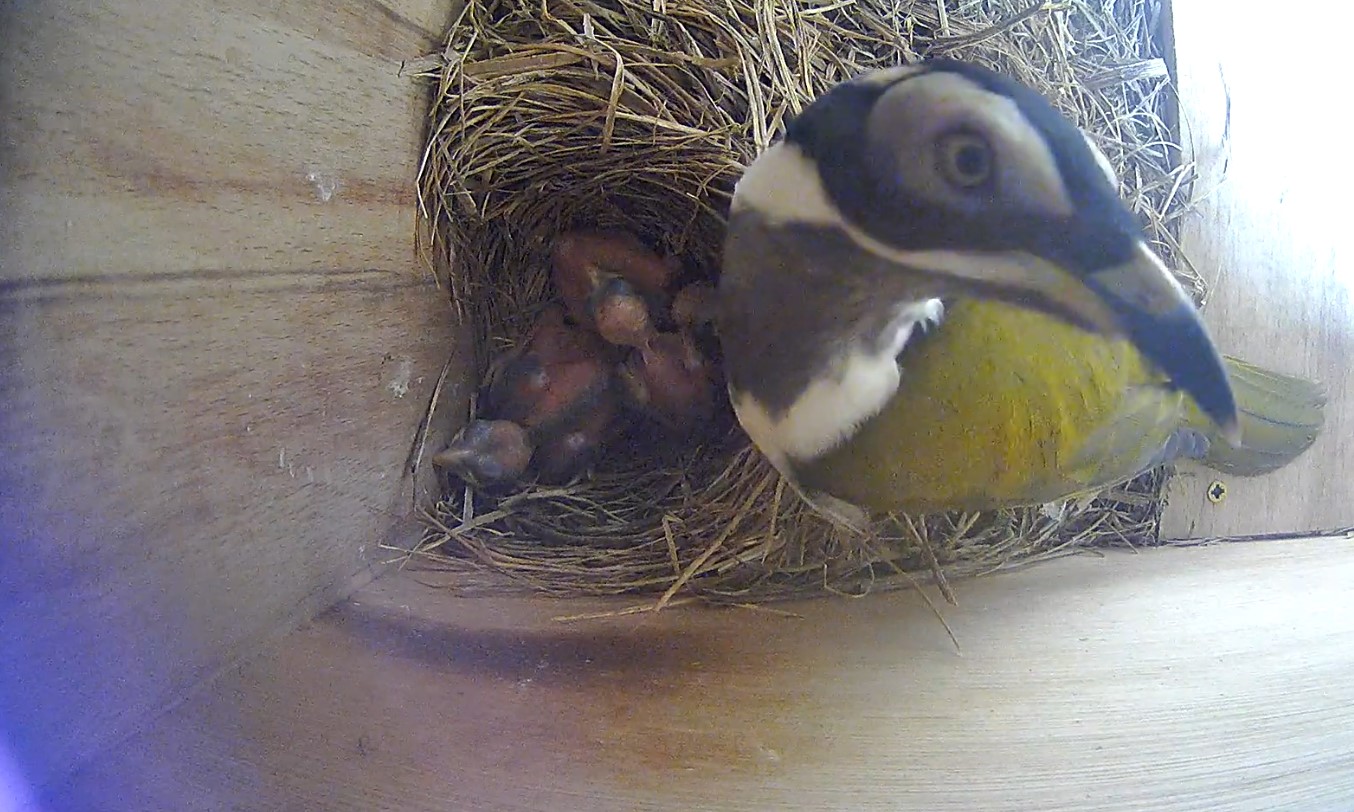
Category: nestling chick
[694,305]
[583,261]
[670,381]
[487,453]
[556,341]
[560,372]
[621,314]
[566,455]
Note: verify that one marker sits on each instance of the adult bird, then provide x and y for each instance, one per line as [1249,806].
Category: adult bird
[933,298]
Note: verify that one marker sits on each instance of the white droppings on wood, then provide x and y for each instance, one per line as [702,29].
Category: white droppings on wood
[326,183]
[405,373]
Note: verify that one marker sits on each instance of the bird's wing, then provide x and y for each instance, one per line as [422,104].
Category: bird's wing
[1142,431]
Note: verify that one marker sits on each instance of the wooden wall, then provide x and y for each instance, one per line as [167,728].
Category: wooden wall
[217,339]
[1271,235]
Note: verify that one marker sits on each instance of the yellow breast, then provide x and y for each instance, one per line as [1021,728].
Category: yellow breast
[1003,406]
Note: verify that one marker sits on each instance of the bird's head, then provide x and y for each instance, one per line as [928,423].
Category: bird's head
[968,183]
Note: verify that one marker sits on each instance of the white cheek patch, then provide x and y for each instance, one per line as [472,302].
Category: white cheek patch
[856,387]
[783,186]
[1101,160]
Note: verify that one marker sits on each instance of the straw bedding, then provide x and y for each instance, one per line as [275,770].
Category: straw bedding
[551,114]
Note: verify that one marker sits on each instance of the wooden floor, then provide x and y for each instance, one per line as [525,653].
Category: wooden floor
[1272,237]
[1213,679]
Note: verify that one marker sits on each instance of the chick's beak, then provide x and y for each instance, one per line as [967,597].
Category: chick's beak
[1153,312]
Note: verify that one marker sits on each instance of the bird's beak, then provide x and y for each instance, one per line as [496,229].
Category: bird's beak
[1152,311]
[1139,300]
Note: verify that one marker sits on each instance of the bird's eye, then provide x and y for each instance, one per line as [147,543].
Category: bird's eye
[965,159]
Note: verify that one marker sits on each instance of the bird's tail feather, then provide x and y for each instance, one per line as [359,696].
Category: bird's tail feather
[1280,418]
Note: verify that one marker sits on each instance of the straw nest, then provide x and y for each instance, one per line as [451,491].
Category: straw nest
[551,114]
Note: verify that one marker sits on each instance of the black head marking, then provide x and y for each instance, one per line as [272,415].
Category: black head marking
[833,133]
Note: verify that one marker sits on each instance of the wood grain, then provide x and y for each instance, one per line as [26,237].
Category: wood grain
[186,473]
[1271,237]
[216,341]
[241,135]
[1178,679]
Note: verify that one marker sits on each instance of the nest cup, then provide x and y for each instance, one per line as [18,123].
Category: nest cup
[641,116]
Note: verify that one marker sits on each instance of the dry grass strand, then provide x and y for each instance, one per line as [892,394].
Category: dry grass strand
[551,114]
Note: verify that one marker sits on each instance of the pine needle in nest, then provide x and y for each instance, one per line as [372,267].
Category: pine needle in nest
[552,115]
